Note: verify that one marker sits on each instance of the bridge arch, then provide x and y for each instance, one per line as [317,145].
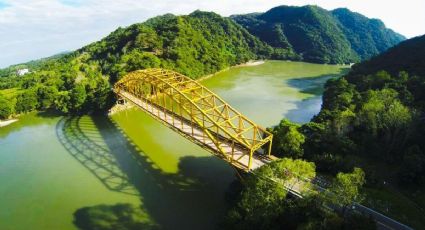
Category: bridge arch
[197,113]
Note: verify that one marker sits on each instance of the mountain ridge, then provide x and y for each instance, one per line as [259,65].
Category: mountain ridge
[319,35]
[407,56]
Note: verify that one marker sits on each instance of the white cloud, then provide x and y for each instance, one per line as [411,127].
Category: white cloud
[31,29]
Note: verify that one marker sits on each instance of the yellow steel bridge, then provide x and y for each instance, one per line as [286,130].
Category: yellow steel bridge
[198,114]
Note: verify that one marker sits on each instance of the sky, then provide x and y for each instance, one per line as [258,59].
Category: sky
[32,29]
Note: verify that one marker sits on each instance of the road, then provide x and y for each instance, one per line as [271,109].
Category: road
[383,222]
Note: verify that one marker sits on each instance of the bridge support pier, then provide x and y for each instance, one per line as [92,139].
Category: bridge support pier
[270,147]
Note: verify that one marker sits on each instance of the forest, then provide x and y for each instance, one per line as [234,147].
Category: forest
[371,118]
[259,203]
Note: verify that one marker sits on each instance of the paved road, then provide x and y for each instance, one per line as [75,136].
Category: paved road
[384,222]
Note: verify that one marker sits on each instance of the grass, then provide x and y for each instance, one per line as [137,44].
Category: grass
[395,205]
[10,93]
[417,195]
[385,195]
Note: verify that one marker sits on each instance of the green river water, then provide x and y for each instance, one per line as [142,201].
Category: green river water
[54,168]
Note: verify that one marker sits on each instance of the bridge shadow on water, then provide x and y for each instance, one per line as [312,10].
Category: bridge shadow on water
[192,198]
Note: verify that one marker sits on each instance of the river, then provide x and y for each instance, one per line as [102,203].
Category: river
[59,172]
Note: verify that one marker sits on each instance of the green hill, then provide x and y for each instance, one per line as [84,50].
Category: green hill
[374,118]
[368,37]
[318,35]
[196,45]
[377,110]
[35,64]
[407,56]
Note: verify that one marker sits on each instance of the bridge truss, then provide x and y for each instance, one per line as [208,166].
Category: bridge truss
[198,114]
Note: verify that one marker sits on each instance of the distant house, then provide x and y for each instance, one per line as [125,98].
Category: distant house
[22,72]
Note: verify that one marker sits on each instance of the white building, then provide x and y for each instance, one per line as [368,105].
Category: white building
[22,72]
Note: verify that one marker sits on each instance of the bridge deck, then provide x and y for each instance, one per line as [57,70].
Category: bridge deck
[238,158]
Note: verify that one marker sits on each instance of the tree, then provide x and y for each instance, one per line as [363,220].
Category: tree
[262,201]
[413,166]
[78,97]
[136,60]
[147,39]
[286,169]
[62,101]
[342,122]
[46,96]
[339,94]
[26,101]
[102,97]
[385,121]
[345,188]
[287,140]
[6,108]
[356,221]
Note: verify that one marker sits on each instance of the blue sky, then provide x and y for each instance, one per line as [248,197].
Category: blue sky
[31,29]
[3,5]
[74,3]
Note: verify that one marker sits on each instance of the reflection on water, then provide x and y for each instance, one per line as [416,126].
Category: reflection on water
[92,154]
[173,200]
[306,108]
[119,216]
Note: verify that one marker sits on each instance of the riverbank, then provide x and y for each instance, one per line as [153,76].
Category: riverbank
[119,107]
[252,63]
[249,63]
[7,122]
